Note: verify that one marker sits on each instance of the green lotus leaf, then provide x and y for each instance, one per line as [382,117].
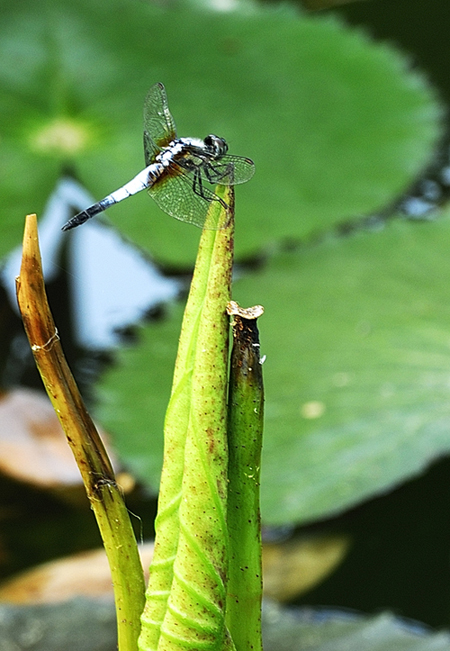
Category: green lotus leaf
[337,125]
[356,334]
[356,337]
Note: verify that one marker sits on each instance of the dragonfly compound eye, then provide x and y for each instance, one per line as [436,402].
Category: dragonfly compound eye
[217,146]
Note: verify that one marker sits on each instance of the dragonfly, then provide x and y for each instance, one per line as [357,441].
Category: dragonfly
[178,170]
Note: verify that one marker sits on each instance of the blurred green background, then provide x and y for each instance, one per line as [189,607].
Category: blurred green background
[341,235]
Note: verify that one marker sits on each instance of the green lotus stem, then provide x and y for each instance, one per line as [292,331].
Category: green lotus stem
[245,428]
[102,490]
[186,595]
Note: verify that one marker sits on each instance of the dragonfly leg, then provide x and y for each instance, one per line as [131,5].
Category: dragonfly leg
[215,175]
[197,187]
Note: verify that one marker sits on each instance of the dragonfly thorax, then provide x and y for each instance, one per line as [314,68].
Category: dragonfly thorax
[212,147]
[166,155]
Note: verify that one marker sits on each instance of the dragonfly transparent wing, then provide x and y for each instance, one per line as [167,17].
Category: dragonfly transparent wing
[230,170]
[159,125]
[175,196]
[150,149]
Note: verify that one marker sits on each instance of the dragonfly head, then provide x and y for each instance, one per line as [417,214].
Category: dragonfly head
[216,146]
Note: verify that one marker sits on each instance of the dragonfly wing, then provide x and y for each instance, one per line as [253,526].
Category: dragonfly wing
[231,170]
[150,149]
[174,194]
[158,121]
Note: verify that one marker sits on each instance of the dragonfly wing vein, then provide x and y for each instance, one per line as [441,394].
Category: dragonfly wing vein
[158,120]
[150,149]
[175,196]
[230,170]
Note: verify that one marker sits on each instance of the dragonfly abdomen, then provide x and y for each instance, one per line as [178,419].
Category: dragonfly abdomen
[143,180]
